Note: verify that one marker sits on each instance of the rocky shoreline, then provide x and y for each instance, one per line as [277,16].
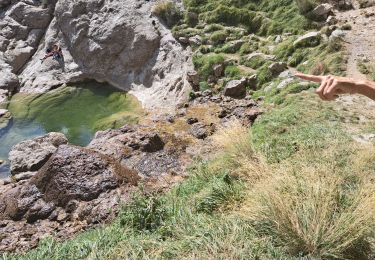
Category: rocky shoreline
[58,189]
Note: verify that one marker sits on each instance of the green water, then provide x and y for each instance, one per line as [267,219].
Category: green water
[78,112]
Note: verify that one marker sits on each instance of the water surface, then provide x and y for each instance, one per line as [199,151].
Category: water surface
[78,112]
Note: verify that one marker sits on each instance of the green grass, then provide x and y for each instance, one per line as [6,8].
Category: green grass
[168,12]
[292,128]
[314,199]
[205,63]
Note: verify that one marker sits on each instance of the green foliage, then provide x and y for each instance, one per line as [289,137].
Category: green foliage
[145,212]
[191,19]
[291,128]
[255,62]
[168,12]
[205,63]
[233,16]
[219,37]
[232,71]
[306,5]
[247,48]
[219,194]
[213,27]
[203,85]
[264,75]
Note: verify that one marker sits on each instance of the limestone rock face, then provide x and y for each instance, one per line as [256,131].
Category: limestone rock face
[8,80]
[30,155]
[107,41]
[5,118]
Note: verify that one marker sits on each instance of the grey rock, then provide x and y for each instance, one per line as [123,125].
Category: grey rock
[331,20]
[257,55]
[4,3]
[278,39]
[207,93]
[8,80]
[192,120]
[75,173]
[23,176]
[277,67]
[30,16]
[193,79]
[183,40]
[284,83]
[101,40]
[252,81]
[5,118]
[337,35]
[199,131]
[195,40]
[151,143]
[235,88]
[310,39]
[31,155]
[321,12]
[218,70]
[286,74]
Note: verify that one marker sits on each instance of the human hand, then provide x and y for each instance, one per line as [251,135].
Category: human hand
[331,86]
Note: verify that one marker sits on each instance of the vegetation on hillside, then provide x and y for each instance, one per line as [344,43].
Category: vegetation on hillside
[294,186]
[232,29]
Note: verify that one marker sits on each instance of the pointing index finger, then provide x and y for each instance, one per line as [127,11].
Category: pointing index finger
[313,78]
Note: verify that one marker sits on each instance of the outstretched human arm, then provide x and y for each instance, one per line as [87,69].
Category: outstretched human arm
[333,86]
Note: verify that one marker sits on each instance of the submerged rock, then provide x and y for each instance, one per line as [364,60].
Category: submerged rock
[31,155]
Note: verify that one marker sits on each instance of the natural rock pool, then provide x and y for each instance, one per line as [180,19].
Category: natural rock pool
[78,112]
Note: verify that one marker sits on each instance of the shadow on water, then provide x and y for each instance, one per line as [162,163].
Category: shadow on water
[78,112]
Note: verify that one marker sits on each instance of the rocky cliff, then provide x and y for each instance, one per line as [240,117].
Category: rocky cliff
[118,42]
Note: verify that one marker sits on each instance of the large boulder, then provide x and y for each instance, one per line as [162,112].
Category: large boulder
[31,155]
[76,173]
[235,88]
[72,175]
[321,12]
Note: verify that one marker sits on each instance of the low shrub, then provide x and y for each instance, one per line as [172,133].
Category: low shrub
[145,212]
[168,12]
[219,37]
[205,63]
[232,71]
[306,6]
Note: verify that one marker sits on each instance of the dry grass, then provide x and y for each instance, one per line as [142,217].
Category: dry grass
[239,156]
[318,210]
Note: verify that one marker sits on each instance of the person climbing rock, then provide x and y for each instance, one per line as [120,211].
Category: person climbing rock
[55,53]
[331,87]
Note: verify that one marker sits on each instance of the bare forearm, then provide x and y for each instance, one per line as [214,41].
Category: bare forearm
[366,88]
